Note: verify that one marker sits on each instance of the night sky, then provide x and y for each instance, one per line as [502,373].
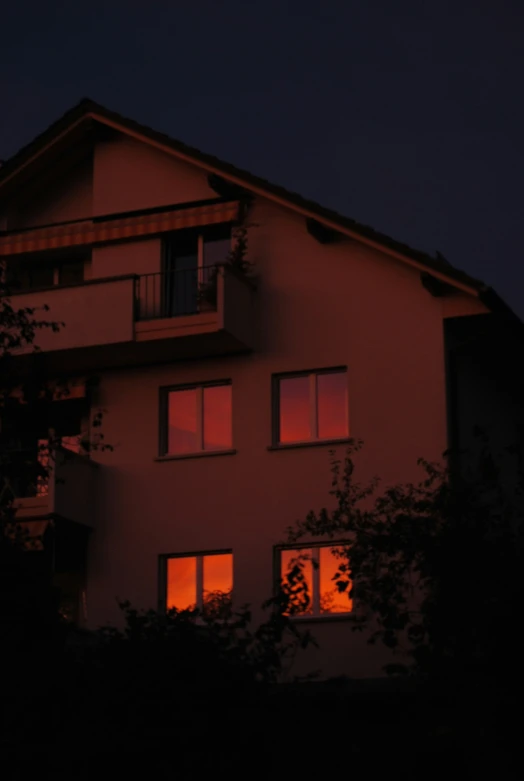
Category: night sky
[407,116]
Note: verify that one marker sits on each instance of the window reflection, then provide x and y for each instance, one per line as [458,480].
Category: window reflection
[217,417]
[218,585]
[313,407]
[182,422]
[297,575]
[35,275]
[295,416]
[72,273]
[203,582]
[331,599]
[216,251]
[181,583]
[308,578]
[332,405]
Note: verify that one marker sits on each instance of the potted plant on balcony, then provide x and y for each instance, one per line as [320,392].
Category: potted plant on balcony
[207,290]
[236,260]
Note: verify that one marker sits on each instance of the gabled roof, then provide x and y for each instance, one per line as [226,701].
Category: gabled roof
[87,111]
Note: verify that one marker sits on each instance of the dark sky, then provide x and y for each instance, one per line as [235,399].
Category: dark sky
[407,116]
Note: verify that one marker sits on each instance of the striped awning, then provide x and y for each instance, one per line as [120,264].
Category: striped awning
[100,231]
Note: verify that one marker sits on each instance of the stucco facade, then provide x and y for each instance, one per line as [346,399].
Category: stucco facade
[313,306]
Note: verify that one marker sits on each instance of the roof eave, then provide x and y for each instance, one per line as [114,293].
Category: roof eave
[88,110]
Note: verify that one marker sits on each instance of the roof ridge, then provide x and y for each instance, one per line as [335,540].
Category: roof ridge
[86,105]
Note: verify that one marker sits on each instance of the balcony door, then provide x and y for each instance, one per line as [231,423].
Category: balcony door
[181,272]
[188,259]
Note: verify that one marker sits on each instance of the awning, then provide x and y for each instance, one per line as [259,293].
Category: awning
[100,231]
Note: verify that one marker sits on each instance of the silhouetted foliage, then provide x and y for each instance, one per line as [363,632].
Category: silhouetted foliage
[201,648]
[235,260]
[30,613]
[434,567]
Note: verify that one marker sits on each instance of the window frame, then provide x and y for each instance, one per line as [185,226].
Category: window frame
[312,374]
[202,234]
[55,266]
[316,614]
[163,559]
[163,440]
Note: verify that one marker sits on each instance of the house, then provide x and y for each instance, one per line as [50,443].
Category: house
[223,392]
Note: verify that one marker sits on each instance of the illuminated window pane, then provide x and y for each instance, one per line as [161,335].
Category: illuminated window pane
[181,583]
[218,584]
[331,599]
[332,405]
[182,422]
[217,417]
[295,410]
[300,585]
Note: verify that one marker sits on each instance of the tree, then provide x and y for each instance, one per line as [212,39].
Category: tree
[29,443]
[434,567]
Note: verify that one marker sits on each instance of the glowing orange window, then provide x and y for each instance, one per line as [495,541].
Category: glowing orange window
[312,406]
[310,577]
[197,419]
[203,582]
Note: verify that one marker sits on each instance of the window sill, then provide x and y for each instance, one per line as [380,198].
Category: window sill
[316,443]
[199,454]
[328,618]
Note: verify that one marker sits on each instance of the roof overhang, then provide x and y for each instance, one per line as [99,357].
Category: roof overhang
[83,124]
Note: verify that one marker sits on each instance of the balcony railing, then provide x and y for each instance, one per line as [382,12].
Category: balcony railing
[24,473]
[143,319]
[97,312]
[40,484]
[175,293]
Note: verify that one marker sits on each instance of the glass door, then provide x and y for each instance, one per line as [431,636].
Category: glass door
[180,288]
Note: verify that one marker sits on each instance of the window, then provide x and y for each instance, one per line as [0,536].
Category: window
[45,273]
[199,581]
[314,573]
[71,273]
[197,419]
[189,261]
[311,407]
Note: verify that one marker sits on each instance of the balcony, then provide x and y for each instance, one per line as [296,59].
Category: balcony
[134,320]
[64,489]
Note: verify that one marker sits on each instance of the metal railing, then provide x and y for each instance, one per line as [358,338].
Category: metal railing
[174,293]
